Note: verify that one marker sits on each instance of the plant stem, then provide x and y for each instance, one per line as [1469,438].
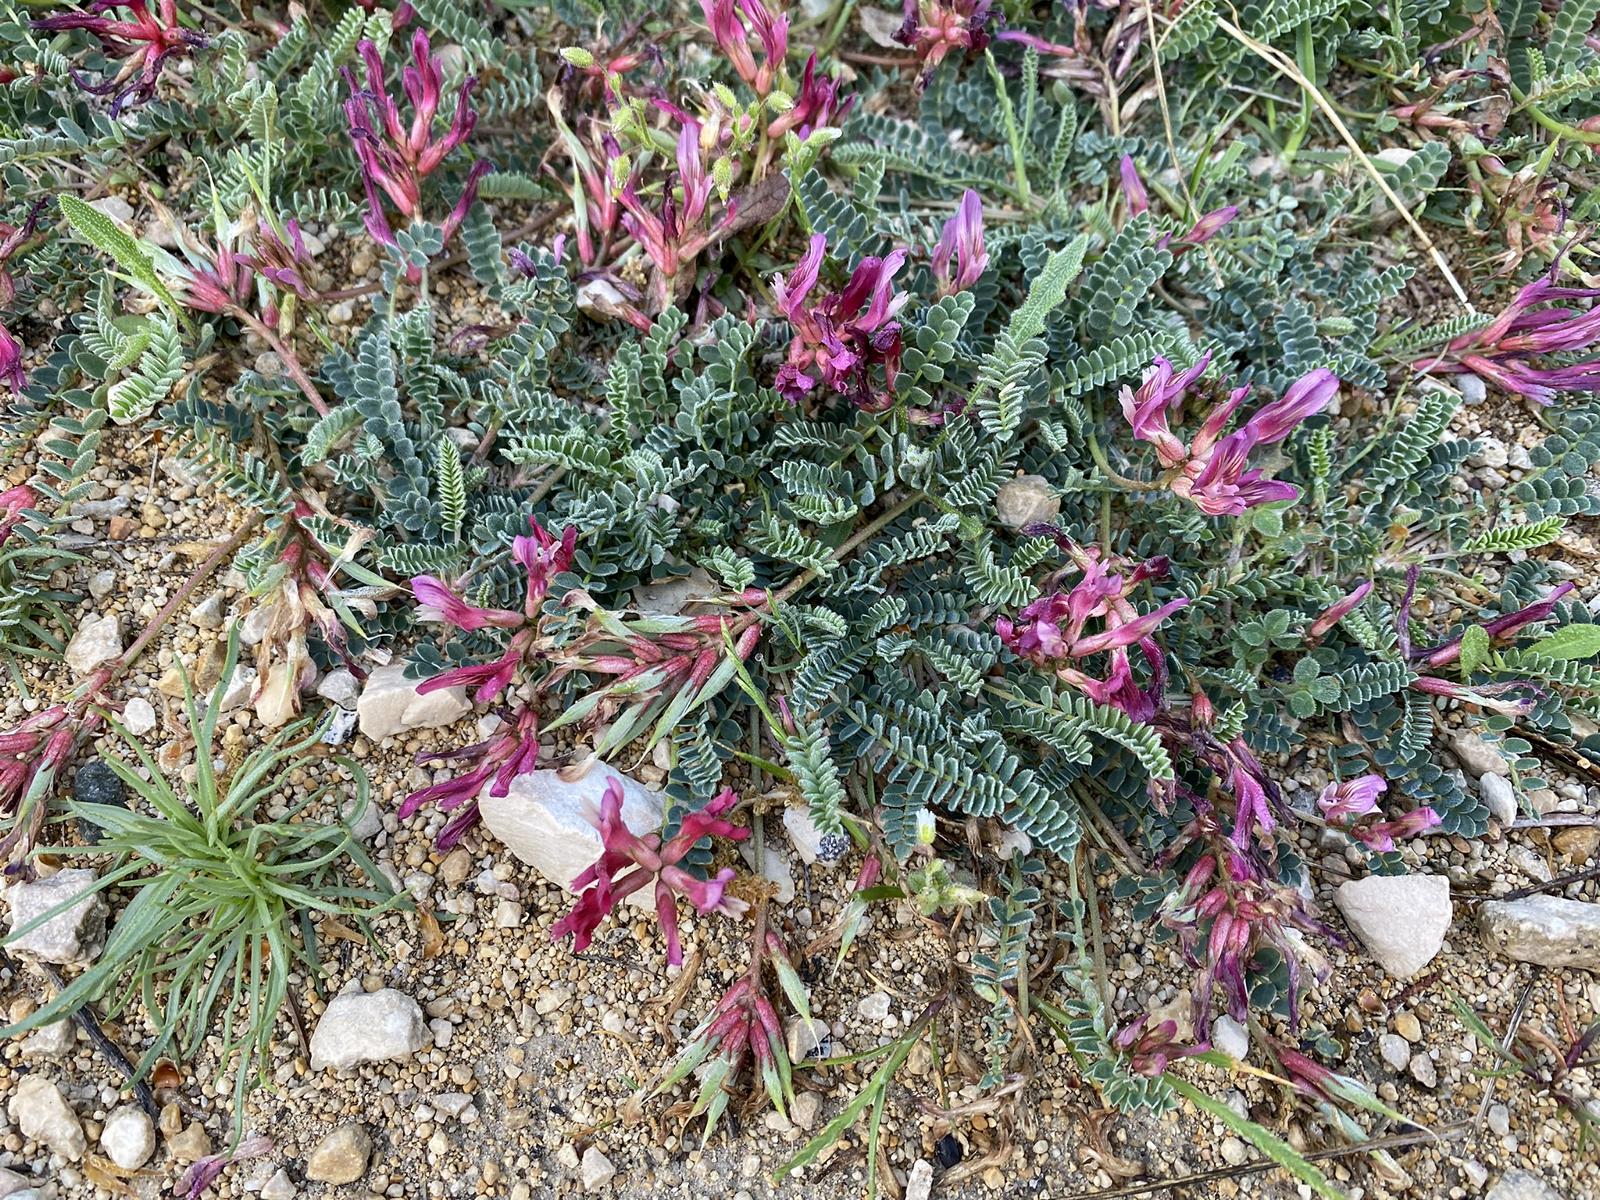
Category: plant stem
[291,361]
[869,531]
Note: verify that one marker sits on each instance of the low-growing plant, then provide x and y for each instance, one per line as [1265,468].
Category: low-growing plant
[223,898]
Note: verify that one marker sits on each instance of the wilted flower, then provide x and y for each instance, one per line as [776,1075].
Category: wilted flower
[1211,471]
[936,28]
[1381,836]
[395,156]
[203,1172]
[1348,799]
[727,21]
[744,1025]
[11,361]
[1053,632]
[279,253]
[1336,612]
[841,337]
[145,42]
[1202,231]
[815,106]
[631,861]
[848,923]
[1150,1051]
[1230,906]
[31,756]
[1505,351]
[962,241]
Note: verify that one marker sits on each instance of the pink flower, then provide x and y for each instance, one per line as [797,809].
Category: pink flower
[1212,472]
[396,155]
[816,106]
[11,361]
[1150,1052]
[733,38]
[1349,799]
[629,862]
[839,339]
[1503,352]
[1133,187]
[675,233]
[13,503]
[1336,612]
[1052,632]
[145,42]
[12,239]
[203,1172]
[962,240]
[512,750]
[1500,627]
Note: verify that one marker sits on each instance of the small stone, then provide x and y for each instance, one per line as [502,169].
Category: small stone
[919,1180]
[1475,1173]
[1477,755]
[452,1104]
[102,584]
[236,693]
[804,835]
[1498,1119]
[341,1156]
[98,641]
[455,868]
[543,820]
[567,1158]
[191,1145]
[1026,500]
[1408,1027]
[115,207]
[97,783]
[43,1115]
[209,612]
[128,1138]
[874,1007]
[76,935]
[1234,1152]
[1180,1011]
[805,1039]
[1423,1070]
[805,1110]
[340,687]
[1232,1038]
[1499,795]
[279,1187]
[365,1027]
[507,915]
[1578,844]
[1549,930]
[12,1184]
[1473,390]
[1396,1051]
[138,716]
[367,822]
[54,1040]
[1401,919]
[1491,452]
[595,1171]
[1517,1184]
[390,704]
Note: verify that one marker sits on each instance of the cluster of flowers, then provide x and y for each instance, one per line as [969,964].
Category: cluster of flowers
[630,861]
[396,156]
[1505,352]
[1053,632]
[849,339]
[145,41]
[1212,471]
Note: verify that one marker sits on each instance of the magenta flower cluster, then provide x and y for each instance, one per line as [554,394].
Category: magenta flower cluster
[846,339]
[1054,632]
[1212,471]
[630,862]
[145,42]
[397,155]
[1507,352]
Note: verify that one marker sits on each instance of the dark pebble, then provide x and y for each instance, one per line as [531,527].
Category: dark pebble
[948,1151]
[97,783]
